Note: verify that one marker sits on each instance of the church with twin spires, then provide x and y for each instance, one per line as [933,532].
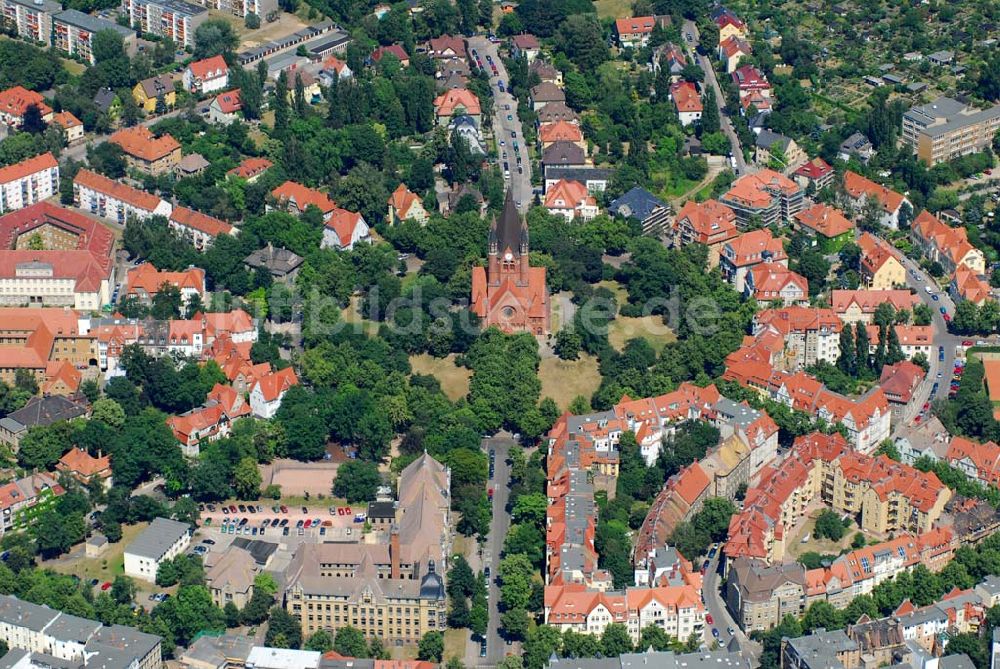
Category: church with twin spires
[509,293]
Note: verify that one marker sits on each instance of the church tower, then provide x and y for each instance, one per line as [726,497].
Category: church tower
[508,247]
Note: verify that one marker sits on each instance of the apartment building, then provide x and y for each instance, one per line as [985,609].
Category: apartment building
[201,229]
[206,76]
[571,200]
[769,283]
[861,190]
[267,391]
[174,19]
[55,257]
[392,589]
[73,32]
[147,153]
[677,610]
[765,196]
[209,422]
[634,32]
[242,8]
[144,281]
[742,253]
[296,198]
[945,244]
[808,335]
[163,540]
[968,284]
[912,339]
[859,306]
[14,102]
[827,226]
[31,19]
[23,499]
[946,129]
[38,411]
[107,198]
[65,640]
[710,223]
[881,264]
[28,182]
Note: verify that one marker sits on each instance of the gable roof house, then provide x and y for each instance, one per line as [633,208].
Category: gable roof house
[710,223]
[525,46]
[732,50]
[556,111]
[563,154]
[393,49]
[946,245]
[149,91]
[686,101]
[404,205]
[250,169]
[84,467]
[147,153]
[859,189]
[670,56]
[856,146]
[14,102]
[881,264]
[827,226]
[268,391]
[344,229]
[71,125]
[544,93]
[201,229]
[741,253]
[455,102]
[144,281]
[570,199]
[296,198]
[635,31]
[560,131]
[777,148]
[816,173]
[967,284]
[446,46]
[206,76]
[225,107]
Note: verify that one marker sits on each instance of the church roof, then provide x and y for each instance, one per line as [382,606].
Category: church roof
[509,230]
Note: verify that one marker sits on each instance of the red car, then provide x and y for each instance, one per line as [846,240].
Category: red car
[308,523]
[947,318]
[106,585]
[708,619]
[284,509]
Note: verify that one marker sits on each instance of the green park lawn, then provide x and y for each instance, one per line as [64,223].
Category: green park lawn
[650,328]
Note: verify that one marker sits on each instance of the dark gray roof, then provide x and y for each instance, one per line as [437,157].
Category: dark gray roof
[278,261]
[41,411]
[637,203]
[328,43]
[47,6]
[156,540]
[260,551]
[820,649]
[954,114]
[547,92]
[959,661]
[25,614]
[564,153]
[855,142]
[119,647]
[179,6]
[509,232]
[157,86]
[556,111]
[381,510]
[581,174]
[766,139]
[92,23]
[104,98]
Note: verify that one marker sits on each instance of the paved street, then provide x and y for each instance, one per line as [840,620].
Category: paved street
[715,606]
[496,647]
[506,124]
[690,34]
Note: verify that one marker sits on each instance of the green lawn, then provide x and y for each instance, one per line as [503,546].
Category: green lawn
[650,328]
[103,568]
[454,379]
[563,380]
[615,9]
[454,643]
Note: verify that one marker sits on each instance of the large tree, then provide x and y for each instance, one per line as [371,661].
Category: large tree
[214,37]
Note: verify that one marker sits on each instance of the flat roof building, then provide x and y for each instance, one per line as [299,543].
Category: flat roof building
[947,128]
[162,540]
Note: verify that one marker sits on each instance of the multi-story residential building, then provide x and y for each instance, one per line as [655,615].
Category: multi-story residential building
[816,173]
[827,226]
[268,391]
[55,257]
[571,200]
[980,462]
[14,102]
[107,198]
[22,500]
[392,590]
[809,335]
[174,19]
[147,153]
[634,32]
[771,282]
[163,540]
[885,496]
[912,339]
[344,230]
[211,421]
[243,8]
[404,205]
[200,228]
[144,281]
[716,659]
[525,46]
[968,284]
[41,341]
[71,125]
[854,306]
[710,223]
[946,129]
[732,50]
[881,264]
[85,468]
[760,595]
[772,149]
[753,87]
[206,76]
[742,253]
[457,102]
[677,610]
[65,640]
[730,25]
[28,182]
[73,32]
[860,190]
[561,131]
[31,19]
[945,244]
[547,93]
[766,196]
[899,383]
[686,101]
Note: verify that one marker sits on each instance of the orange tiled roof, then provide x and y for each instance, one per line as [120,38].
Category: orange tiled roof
[198,221]
[868,300]
[302,197]
[751,247]
[685,96]
[149,279]
[637,25]
[559,131]
[344,223]
[970,285]
[119,191]
[568,194]
[27,167]
[769,279]
[79,461]
[15,101]
[454,100]
[250,167]
[710,221]
[140,142]
[824,220]
[66,120]
[950,242]
[208,67]
[857,186]
[402,199]
[274,384]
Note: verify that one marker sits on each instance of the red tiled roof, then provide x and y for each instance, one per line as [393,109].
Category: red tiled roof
[456,100]
[402,199]
[149,279]
[751,247]
[229,102]
[91,236]
[824,220]
[27,167]
[685,96]
[394,49]
[250,167]
[15,101]
[733,45]
[637,25]
[560,131]
[868,300]
[817,168]
[208,67]
[140,142]
[857,186]
[711,221]
[66,120]
[274,384]
[79,461]
[568,194]
[344,223]
[201,222]
[119,191]
[303,197]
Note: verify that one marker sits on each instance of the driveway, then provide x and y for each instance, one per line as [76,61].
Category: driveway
[506,124]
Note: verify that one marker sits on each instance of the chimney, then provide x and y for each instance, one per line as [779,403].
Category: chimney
[394,552]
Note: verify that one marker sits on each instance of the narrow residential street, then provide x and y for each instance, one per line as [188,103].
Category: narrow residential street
[506,124]
[715,606]
[690,34]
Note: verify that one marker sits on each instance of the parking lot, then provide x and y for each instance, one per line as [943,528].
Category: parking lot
[278,521]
